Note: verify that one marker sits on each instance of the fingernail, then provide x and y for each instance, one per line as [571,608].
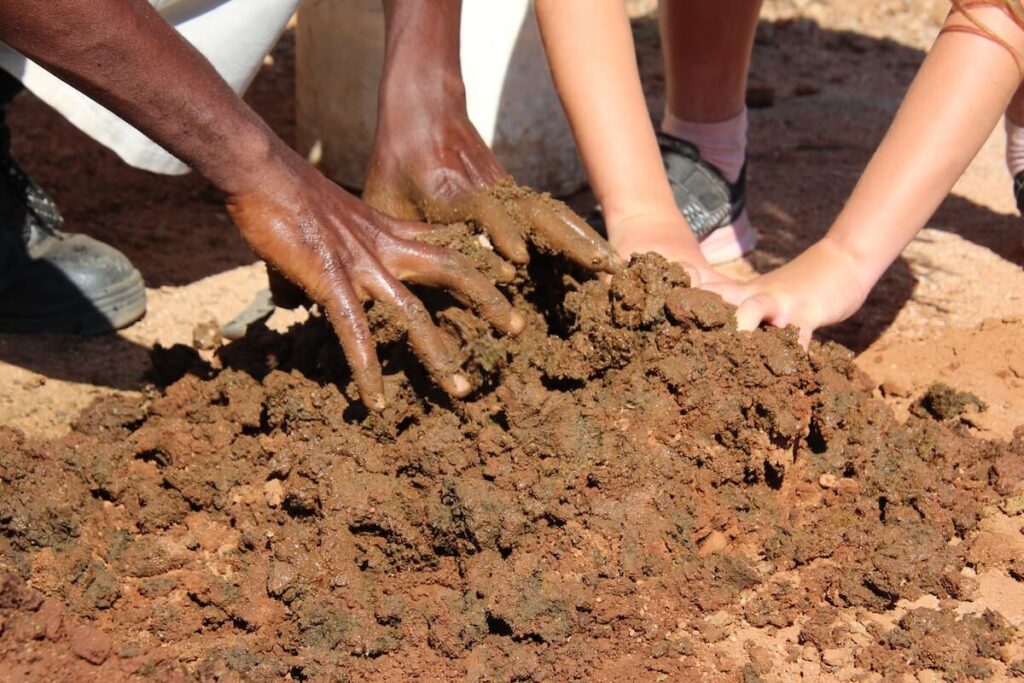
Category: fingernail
[508,272]
[376,403]
[516,322]
[461,385]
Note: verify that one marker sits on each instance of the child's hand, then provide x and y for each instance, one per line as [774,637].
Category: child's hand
[667,234]
[822,286]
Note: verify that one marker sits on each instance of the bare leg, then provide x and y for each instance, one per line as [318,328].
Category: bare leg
[707,47]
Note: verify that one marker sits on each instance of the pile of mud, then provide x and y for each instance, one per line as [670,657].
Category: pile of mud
[635,490]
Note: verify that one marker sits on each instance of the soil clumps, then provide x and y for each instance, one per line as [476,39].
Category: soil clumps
[633,486]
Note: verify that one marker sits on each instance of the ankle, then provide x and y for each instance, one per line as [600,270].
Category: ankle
[722,144]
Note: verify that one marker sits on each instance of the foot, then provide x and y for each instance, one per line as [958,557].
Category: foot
[52,281]
[715,208]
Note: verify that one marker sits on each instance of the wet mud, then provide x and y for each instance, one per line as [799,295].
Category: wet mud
[632,486]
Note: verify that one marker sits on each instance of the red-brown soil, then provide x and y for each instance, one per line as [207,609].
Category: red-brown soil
[632,486]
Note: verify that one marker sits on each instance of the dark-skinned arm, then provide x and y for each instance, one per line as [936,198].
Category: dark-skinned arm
[126,57]
[430,163]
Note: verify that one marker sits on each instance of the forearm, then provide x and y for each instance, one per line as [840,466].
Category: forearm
[590,49]
[126,57]
[951,108]
[422,67]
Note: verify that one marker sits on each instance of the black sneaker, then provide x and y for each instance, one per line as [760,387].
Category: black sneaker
[50,280]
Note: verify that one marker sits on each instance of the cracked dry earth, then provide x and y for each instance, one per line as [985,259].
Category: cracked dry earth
[635,492]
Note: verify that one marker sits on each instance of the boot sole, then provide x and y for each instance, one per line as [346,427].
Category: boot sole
[118,306]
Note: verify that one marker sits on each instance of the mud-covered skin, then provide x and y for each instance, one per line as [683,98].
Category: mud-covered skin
[344,253]
[625,490]
[340,251]
[430,163]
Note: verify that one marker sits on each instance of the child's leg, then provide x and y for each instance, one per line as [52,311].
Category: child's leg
[707,49]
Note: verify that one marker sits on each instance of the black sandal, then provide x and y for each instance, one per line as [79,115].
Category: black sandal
[1018,191]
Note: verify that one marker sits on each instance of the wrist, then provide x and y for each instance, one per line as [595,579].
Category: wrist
[258,167]
[655,228]
[241,152]
[617,212]
[862,267]
[410,89]
[422,65]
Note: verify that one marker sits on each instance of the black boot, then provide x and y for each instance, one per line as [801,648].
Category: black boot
[50,280]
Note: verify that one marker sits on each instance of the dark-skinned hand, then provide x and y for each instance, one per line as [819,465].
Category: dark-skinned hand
[343,253]
[441,171]
[430,163]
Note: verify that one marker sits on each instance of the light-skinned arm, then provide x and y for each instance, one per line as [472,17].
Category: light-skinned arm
[954,103]
[589,45]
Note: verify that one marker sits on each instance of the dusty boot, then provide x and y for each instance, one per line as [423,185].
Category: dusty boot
[50,280]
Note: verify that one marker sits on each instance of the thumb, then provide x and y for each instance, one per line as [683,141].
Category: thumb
[757,309]
[805,336]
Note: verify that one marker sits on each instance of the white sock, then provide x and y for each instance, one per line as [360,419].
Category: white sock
[1014,147]
[723,144]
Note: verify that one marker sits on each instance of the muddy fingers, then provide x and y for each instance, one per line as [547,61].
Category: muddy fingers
[755,310]
[343,253]
[769,309]
[345,312]
[488,214]
[555,227]
[435,350]
[460,238]
[453,272]
[502,229]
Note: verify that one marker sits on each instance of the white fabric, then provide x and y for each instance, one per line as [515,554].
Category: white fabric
[235,35]
[1014,148]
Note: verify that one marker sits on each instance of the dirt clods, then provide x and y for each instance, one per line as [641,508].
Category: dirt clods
[633,484]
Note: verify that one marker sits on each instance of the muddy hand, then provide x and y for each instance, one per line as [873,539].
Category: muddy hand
[430,163]
[342,253]
[448,175]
